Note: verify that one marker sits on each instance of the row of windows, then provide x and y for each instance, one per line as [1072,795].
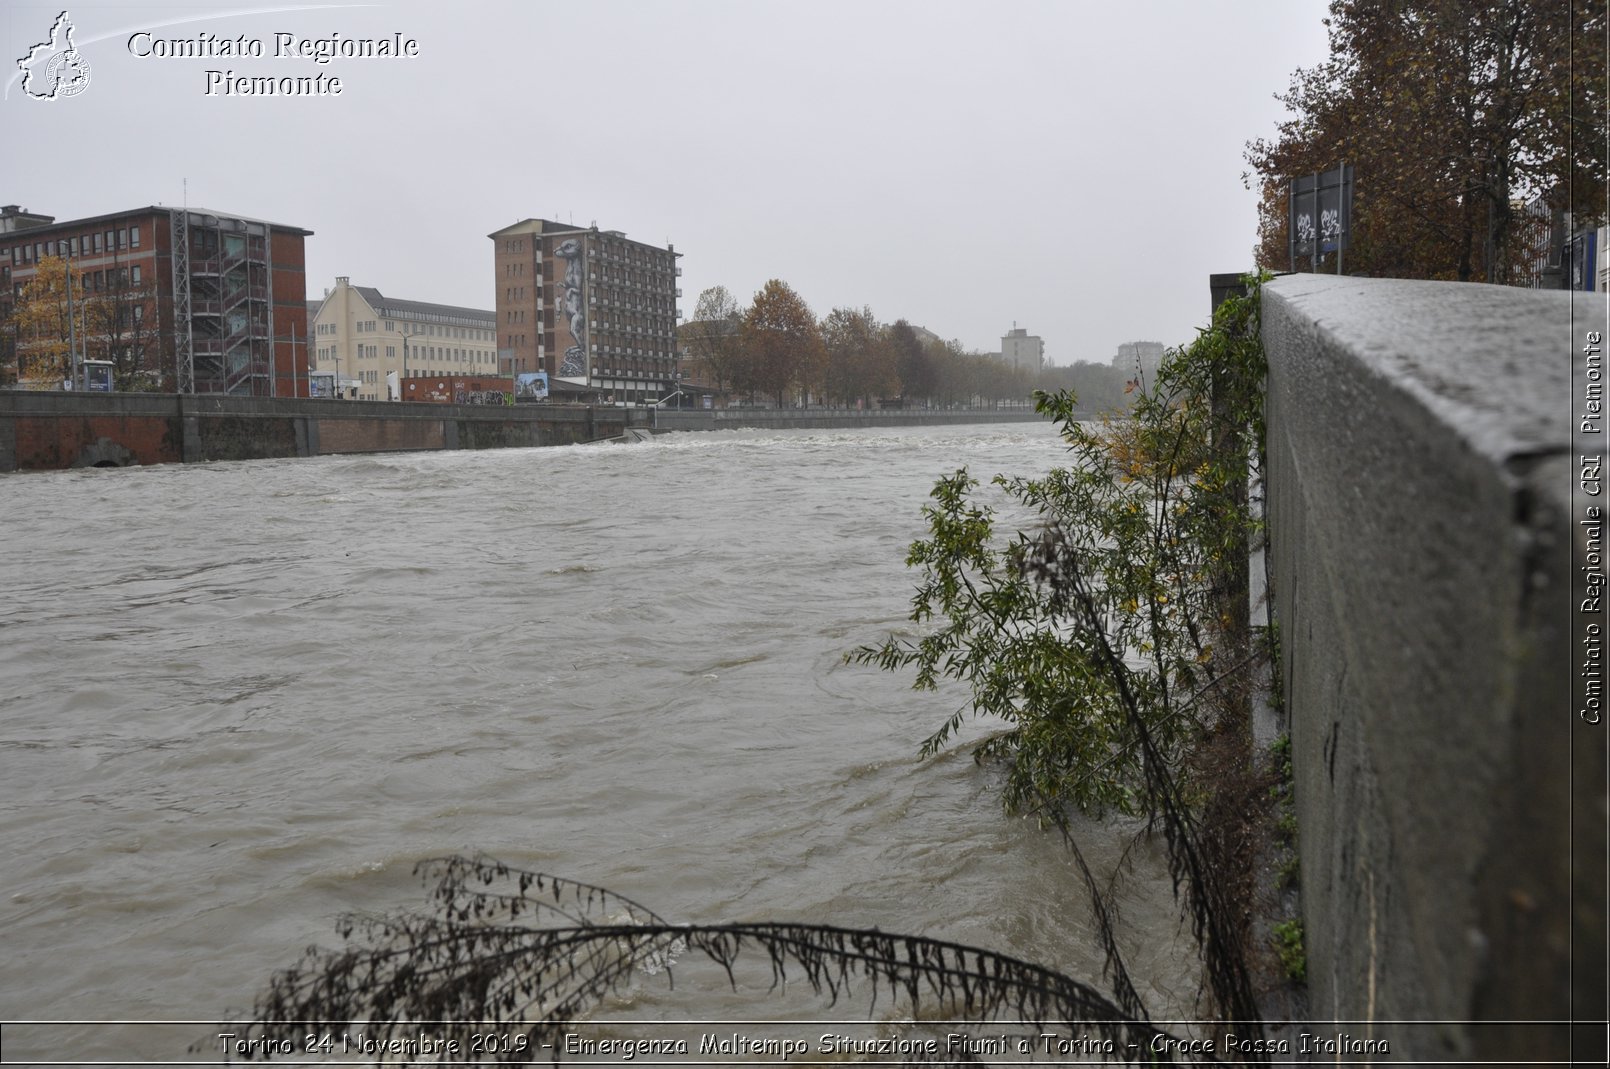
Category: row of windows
[96,281]
[424,352]
[432,330]
[429,320]
[77,245]
[371,326]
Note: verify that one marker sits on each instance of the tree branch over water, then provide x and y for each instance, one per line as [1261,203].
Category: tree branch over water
[533,954]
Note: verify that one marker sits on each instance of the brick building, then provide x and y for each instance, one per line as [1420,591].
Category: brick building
[186,301]
[592,308]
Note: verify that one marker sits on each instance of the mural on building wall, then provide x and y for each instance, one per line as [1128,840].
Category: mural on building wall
[570,327]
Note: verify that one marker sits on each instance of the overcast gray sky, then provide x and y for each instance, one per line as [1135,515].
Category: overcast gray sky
[1071,167]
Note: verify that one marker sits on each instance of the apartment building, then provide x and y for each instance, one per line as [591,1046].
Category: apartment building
[594,309]
[181,300]
[362,336]
[1023,350]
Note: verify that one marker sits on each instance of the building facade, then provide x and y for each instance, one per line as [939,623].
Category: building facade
[373,341]
[180,300]
[1139,361]
[1023,350]
[590,307]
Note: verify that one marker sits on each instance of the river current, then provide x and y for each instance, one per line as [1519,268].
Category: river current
[241,699]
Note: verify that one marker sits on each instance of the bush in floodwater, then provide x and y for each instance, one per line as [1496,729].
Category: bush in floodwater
[1112,639]
[1150,513]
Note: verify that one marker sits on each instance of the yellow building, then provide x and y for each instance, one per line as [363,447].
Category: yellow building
[361,335]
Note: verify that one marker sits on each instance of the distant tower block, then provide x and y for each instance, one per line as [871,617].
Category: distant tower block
[1023,350]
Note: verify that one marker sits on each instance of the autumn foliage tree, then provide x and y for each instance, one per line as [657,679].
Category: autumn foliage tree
[713,336]
[120,326]
[911,361]
[43,327]
[860,363]
[1453,114]
[781,343]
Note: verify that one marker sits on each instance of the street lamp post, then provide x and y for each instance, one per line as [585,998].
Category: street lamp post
[65,251]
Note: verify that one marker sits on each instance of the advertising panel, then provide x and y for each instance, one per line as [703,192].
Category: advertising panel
[1321,214]
[531,386]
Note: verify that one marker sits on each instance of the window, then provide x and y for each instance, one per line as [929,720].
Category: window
[139,313]
[134,236]
[97,243]
[136,275]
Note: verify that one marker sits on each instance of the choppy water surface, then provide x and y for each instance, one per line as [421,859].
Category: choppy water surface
[240,699]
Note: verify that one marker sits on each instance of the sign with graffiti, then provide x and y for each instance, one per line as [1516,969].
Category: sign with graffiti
[1321,215]
[531,386]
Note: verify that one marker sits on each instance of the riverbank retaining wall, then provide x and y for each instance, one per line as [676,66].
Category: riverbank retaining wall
[1426,512]
[721,419]
[67,430]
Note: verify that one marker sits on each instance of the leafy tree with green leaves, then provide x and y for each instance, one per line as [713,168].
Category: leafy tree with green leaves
[1147,511]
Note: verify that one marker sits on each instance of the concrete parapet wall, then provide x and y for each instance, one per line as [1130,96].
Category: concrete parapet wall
[1420,478]
[66,430]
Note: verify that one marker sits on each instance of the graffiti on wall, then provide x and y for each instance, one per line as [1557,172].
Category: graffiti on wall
[571,313]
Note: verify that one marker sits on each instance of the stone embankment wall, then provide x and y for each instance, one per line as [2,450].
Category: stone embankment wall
[67,430]
[1426,511]
[723,419]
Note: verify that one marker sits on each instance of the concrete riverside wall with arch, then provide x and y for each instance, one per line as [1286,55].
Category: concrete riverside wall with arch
[67,430]
[1426,522]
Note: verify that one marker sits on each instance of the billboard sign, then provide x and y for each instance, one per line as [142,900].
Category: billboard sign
[98,376]
[531,386]
[1321,215]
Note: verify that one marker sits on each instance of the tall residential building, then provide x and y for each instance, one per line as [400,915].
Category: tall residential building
[362,336]
[190,301]
[1139,360]
[1023,350]
[594,309]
